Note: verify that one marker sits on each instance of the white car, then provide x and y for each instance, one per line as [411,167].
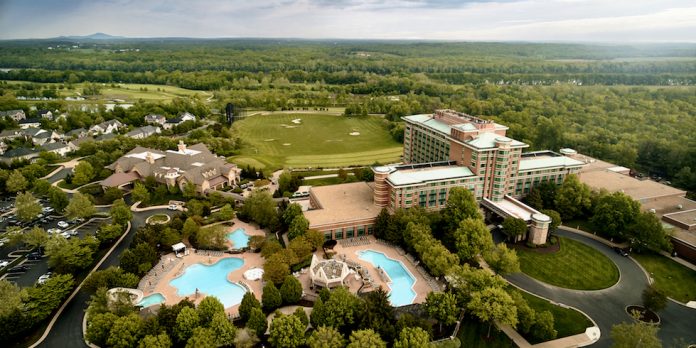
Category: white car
[72,232]
[65,235]
[43,278]
[4,263]
[63,224]
[54,230]
[173,207]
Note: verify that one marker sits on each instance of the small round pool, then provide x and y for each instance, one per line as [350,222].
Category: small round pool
[238,238]
[151,300]
[211,280]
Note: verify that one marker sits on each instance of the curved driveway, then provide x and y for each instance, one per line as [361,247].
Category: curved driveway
[606,307]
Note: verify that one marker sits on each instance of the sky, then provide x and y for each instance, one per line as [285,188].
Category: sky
[463,20]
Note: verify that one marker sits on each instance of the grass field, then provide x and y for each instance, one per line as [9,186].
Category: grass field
[574,266]
[472,334]
[274,141]
[675,280]
[566,321]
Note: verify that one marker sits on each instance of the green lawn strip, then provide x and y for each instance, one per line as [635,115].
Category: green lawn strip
[328,181]
[677,281]
[566,321]
[472,334]
[574,266]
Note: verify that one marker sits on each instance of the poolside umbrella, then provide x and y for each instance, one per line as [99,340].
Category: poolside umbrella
[253,274]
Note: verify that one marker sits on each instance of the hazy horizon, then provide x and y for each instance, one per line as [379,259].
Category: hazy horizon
[595,21]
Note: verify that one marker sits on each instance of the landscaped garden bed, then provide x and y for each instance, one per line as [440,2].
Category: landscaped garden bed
[645,315]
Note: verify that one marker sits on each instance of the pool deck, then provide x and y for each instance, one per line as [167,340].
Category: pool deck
[251,260]
[421,287]
[249,228]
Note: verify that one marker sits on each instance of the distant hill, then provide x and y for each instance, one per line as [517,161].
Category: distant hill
[95,36]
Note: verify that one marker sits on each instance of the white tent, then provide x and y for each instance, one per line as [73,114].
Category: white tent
[253,274]
[179,247]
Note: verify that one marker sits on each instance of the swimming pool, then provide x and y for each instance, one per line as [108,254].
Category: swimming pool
[238,238]
[402,280]
[150,300]
[212,281]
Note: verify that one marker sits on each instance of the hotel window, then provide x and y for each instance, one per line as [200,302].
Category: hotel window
[350,232]
[327,236]
[361,231]
[370,230]
[339,234]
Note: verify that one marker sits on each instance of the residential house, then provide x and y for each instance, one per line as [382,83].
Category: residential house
[40,136]
[3,147]
[106,127]
[103,137]
[45,114]
[195,165]
[143,132]
[19,154]
[155,119]
[59,148]
[76,133]
[30,123]
[179,120]
[16,115]
[10,134]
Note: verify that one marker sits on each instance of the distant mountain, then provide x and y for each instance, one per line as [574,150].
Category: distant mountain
[95,36]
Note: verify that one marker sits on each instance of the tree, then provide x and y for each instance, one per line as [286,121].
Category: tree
[189,190]
[79,207]
[112,277]
[99,327]
[326,337]
[291,290]
[202,337]
[223,329]
[190,228]
[365,339]
[636,334]
[647,233]
[378,314]
[70,256]
[10,298]
[573,198]
[207,309]
[301,247]
[125,332]
[140,193]
[315,238]
[503,260]
[341,310]
[159,341]
[472,238]
[382,223]
[533,199]
[58,199]
[261,208]
[249,302]
[543,329]
[35,237]
[413,337]
[461,204]
[245,339]
[84,173]
[111,194]
[120,212]
[465,281]
[226,213]
[298,227]
[302,315]
[292,211]
[555,218]
[654,299]
[275,270]
[493,305]
[186,322]
[271,298]
[615,213]
[257,321]
[441,306]
[514,227]
[287,184]
[27,208]
[16,182]
[286,331]
[41,187]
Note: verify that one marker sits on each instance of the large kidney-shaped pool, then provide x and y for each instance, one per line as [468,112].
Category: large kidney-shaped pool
[239,238]
[212,281]
[402,280]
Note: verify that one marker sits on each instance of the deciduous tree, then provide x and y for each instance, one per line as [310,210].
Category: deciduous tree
[286,331]
[58,199]
[291,290]
[636,334]
[326,337]
[441,306]
[257,322]
[186,321]
[126,332]
[84,173]
[120,212]
[514,227]
[271,298]
[472,238]
[365,339]
[79,207]
[503,260]
[493,304]
[249,302]
[413,337]
[27,208]
[654,299]
[573,198]
[16,182]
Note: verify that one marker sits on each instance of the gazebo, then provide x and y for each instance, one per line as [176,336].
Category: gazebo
[327,273]
[179,248]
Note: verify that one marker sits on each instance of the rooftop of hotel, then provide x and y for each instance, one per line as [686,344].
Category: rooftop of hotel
[516,208]
[598,175]
[687,217]
[409,176]
[546,159]
[341,203]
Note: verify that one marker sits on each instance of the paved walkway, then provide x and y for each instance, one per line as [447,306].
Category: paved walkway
[606,307]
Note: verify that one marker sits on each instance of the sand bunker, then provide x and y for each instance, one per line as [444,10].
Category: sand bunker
[287,126]
[332,140]
[286,144]
[354,133]
[268,139]
[297,121]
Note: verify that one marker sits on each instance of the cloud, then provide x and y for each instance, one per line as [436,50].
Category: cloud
[530,20]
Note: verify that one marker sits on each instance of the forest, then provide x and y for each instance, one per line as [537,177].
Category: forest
[631,105]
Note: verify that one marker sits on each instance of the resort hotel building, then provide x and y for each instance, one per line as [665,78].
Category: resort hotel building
[443,150]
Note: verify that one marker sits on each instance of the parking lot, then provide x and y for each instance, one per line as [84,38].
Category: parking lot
[16,255]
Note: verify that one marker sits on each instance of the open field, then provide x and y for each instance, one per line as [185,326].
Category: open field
[129,92]
[274,141]
[575,266]
[675,280]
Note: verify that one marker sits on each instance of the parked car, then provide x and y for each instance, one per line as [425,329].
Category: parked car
[73,233]
[34,256]
[43,278]
[54,230]
[173,207]
[18,269]
[65,235]
[63,224]
[4,263]
[621,251]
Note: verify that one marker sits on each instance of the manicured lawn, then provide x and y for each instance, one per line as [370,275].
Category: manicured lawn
[677,281]
[317,141]
[158,218]
[328,181]
[566,321]
[472,334]
[574,266]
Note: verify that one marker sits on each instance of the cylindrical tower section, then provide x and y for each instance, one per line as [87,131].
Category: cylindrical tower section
[381,192]
[539,229]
